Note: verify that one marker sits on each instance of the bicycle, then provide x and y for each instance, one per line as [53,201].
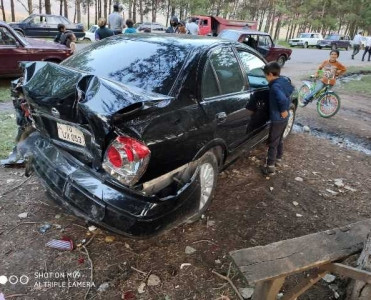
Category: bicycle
[328,102]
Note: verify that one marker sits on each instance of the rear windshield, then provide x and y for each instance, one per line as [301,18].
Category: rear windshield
[145,63]
[332,37]
[229,35]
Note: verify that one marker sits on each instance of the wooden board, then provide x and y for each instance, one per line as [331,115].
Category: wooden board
[298,254]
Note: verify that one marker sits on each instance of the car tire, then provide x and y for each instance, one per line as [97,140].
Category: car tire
[208,175]
[86,39]
[319,47]
[290,123]
[305,45]
[281,60]
[334,47]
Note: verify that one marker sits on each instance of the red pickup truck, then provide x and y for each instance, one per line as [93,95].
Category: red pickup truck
[210,25]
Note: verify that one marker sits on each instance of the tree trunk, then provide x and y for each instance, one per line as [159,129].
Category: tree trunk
[109,6]
[48,9]
[261,19]
[141,10]
[168,13]
[130,9]
[40,7]
[78,11]
[154,10]
[288,31]
[96,12]
[3,9]
[278,28]
[60,7]
[65,4]
[88,12]
[105,9]
[12,10]
[30,6]
[134,11]
[272,22]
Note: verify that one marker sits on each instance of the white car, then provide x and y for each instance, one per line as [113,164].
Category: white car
[90,34]
[306,39]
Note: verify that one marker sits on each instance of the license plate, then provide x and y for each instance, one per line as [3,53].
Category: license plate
[70,134]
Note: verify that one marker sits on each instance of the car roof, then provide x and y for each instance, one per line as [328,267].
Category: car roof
[45,15]
[310,33]
[246,31]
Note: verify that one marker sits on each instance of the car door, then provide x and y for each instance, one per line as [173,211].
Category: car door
[52,25]
[258,106]
[225,96]
[264,45]
[11,53]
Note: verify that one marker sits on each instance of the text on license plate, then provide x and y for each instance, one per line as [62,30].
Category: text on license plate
[70,134]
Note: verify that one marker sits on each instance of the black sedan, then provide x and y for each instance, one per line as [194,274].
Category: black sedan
[43,25]
[133,130]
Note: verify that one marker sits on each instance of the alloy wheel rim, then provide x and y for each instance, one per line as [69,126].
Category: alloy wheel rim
[290,122]
[207,176]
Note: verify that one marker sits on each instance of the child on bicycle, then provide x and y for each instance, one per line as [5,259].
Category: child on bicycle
[330,70]
[280,89]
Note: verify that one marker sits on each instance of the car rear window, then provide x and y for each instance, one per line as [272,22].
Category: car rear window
[144,63]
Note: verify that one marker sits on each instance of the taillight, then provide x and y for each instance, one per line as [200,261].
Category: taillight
[126,159]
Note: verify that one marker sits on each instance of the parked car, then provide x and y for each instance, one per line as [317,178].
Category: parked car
[154,27]
[335,41]
[306,39]
[15,48]
[135,145]
[90,34]
[43,25]
[260,41]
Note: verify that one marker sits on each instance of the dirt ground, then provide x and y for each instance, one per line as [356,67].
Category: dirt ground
[248,210]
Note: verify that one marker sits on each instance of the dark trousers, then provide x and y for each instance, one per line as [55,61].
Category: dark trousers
[367,49]
[355,50]
[275,143]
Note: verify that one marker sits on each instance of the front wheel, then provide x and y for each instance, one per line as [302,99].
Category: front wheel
[281,60]
[328,105]
[303,91]
[290,122]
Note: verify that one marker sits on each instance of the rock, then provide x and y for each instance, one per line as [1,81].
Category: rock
[10,180]
[92,228]
[299,179]
[299,215]
[44,228]
[306,128]
[182,266]
[153,280]
[23,215]
[339,182]
[103,287]
[279,296]
[246,293]
[210,223]
[190,250]
[109,239]
[329,278]
[271,188]
[295,203]
[218,261]
[58,216]
[332,192]
[347,187]
[141,288]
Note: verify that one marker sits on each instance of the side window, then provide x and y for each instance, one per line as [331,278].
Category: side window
[53,20]
[254,69]
[6,38]
[265,41]
[228,70]
[209,85]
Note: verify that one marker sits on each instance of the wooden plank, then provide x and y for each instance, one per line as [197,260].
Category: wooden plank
[268,290]
[301,253]
[304,285]
[348,271]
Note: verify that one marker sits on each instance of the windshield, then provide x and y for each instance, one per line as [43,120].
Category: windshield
[305,35]
[229,35]
[149,63]
[332,37]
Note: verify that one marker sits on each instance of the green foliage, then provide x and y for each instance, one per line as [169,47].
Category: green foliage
[8,130]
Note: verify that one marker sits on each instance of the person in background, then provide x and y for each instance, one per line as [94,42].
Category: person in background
[173,28]
[182,28]
[115,20]
[357,43]
[66,37]
[102,32]
[367,48]
[130,28]
[192,26]
[331,69]
[280,89]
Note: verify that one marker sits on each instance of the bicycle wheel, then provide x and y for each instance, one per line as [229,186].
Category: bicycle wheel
[328,105]
[303,91]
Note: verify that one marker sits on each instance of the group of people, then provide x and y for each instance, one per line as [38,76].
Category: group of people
[182,27]
[357,42]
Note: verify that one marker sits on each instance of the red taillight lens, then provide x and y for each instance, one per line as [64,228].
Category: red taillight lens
[126,159]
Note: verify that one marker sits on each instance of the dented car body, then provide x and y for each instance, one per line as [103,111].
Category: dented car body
[132,132]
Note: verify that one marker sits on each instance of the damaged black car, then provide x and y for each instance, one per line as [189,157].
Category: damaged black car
[132,131]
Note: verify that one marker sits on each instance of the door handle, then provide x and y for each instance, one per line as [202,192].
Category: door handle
[221,117]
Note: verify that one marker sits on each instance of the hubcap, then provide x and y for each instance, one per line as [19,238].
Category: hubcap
[207,176]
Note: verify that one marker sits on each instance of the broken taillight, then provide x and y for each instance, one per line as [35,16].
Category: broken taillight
[126,159]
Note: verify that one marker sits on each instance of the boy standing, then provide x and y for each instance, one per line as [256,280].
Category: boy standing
[280,89]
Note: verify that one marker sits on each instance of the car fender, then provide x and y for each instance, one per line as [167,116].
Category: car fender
[218,146]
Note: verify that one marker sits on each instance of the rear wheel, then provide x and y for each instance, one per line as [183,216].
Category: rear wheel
[281,60]
[290,122]
[328,105]
[208,174]
[303,91]
[305,45]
